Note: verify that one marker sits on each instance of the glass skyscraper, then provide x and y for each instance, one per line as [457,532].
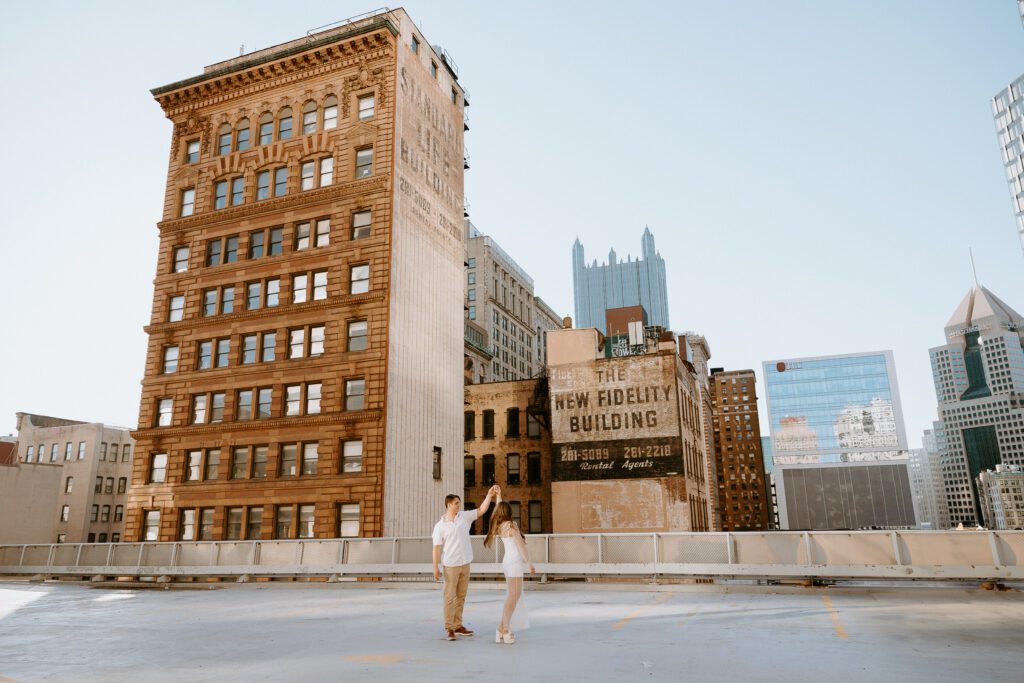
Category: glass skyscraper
[1008,110]
[618,283]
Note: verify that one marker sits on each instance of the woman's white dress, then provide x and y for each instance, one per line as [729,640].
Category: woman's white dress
[514,566]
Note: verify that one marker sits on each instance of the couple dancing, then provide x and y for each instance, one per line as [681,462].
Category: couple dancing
[452,548]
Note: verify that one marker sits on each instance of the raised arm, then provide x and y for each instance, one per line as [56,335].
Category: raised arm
[484,506]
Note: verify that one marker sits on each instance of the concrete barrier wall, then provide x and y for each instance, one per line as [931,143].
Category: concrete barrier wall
[952,555]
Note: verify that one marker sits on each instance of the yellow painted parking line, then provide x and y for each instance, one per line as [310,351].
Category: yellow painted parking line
[836,623]
[376,659]
[637,612]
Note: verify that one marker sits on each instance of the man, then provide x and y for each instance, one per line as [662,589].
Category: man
[453,549]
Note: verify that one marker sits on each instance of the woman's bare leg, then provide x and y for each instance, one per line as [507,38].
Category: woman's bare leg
[515,589]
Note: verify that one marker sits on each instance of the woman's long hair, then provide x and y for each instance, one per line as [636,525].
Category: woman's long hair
[502,513]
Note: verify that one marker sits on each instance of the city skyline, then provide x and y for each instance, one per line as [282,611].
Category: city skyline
[839,138]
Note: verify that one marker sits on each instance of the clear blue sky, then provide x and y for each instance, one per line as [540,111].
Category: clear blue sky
[813,172]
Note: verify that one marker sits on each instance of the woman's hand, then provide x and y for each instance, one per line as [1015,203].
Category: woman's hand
[533,572]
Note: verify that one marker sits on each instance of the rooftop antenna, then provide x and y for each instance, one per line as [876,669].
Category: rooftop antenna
[973,268]
[241,50]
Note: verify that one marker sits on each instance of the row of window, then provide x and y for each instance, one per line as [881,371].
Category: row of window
[258,403]
[33,454]
[254,462]
[311,286]
[273,182]
[534,523]
[122,485]
[512,420]
[270,242]
[246,523]
[315,117]
[513,469]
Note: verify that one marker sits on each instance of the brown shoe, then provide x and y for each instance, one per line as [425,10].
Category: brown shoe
[451,634]
[463,631]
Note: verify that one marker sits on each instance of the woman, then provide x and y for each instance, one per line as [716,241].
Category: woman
[516,557]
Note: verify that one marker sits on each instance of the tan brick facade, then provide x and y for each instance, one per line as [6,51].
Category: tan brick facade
[742,493]
[279,230]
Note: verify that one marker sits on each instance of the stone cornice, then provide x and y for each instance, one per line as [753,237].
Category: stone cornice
[219,321]
[293,61]
[377,183]
[240,428]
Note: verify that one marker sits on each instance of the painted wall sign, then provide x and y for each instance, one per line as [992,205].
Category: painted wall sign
[619,459]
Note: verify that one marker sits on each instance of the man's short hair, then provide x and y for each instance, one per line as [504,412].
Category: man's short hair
[449,498]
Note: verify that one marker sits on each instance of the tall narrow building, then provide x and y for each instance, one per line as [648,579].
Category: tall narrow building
[618,284]
[1008,111]
[303,374]
[979,383]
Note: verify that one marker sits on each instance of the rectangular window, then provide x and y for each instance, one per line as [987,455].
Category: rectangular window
[299,286]
[284,127]
[188,201]
[330,115]
[188,525]
[223,353]
[227,300]
[320,285]
[513,468]
[122,484]
[316,340]
[209,302]
[296,343]
[164,408]
[415,45]
[301,236]
[313,398]
[224,143]
[176,309]
[488,424]
[289,457]
[280,181]
[352,456]
[249,343]
[54,449]
[239,462]
[433,69]
[243,405]
[192,152]
[533,468]
[436,462]
[361,221]
[206,524]
[469,471]
[231,250]
[151,525]
[532,426]
[293,400]
[259,462]
[536,525]
[180,259]
[309,122]
[472,313]
[276,241]
[471,294]
[109,488]
[512,426]
[105,514]
[256,244]
[326,171]
[364,162]
[266,131]
[194,466]
[487,473]
[517,512]
[269,342]
[357,334]
[170,359]
[69,484]
[158,468]
[307,175]
[323,232]
[118,514]
[213,253]
[306,519]
[220,194]
[217,407]
[254,526]
[99,485]
[359,279]
[273,292]
[469,425]
[366,107]
[264,399]
[348,520]
[233,529]
[253,295]
[205,355]
[242,139]
[212,464]
[237,191]
[355,394]
[283,522]
[30,453]
[310,456]
[262,185]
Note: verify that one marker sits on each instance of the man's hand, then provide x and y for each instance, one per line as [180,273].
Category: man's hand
[437,573]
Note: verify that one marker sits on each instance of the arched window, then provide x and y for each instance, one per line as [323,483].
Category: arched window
[266,128]
[330,112]
[309,118]
[224,139]
[284,124]
[242,136]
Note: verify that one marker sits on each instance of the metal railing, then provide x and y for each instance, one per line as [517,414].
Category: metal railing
[885,555]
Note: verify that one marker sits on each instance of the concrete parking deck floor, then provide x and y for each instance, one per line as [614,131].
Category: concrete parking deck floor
[322,632]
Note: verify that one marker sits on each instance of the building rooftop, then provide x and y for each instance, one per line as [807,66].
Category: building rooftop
[275,631]
[979,305]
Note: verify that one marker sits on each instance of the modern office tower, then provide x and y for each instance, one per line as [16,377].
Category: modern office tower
[508,442]
[1008,110]
[545,320]
[1002,497]
[979,383]
[69,483]
[303,377]
[839,447]
[617,284]
[500,299]
[930,506]
[742,486]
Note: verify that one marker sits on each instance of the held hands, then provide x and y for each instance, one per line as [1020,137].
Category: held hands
[494,492]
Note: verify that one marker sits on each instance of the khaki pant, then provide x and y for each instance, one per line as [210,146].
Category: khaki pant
[456,583]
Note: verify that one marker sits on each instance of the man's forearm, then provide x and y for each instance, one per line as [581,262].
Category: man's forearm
[437,556]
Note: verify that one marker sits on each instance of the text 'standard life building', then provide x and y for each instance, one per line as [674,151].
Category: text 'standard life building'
[311,240]
[839,445]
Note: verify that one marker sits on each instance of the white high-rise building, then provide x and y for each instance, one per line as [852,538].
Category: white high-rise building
[979,384]
[1002,497]
[930,506]
[1008,110]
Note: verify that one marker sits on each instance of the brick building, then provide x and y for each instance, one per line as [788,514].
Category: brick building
[743,496]
[508,442]
[311,243]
